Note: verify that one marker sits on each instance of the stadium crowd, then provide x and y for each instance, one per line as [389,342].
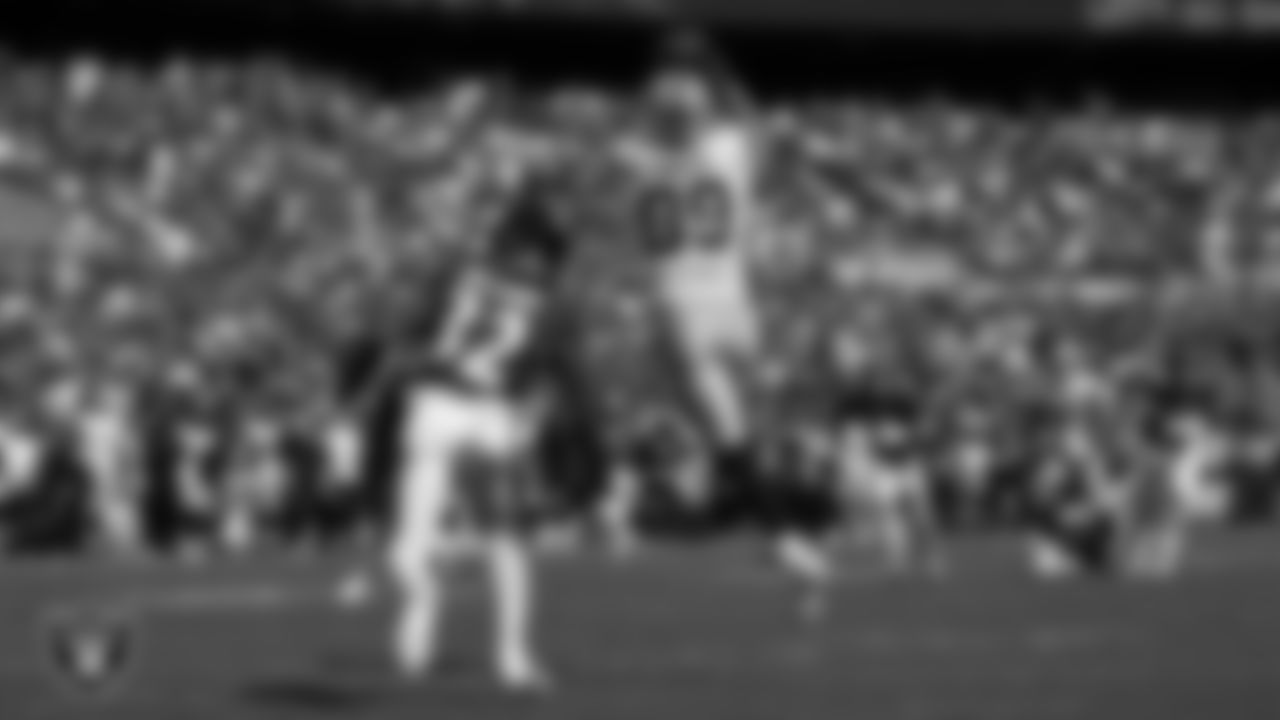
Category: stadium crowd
[225,256]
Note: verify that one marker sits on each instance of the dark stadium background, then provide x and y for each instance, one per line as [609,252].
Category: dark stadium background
[1020,52]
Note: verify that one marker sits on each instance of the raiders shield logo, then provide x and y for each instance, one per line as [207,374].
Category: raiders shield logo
[90,652]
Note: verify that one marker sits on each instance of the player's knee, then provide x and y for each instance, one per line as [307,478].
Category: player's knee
[409,562]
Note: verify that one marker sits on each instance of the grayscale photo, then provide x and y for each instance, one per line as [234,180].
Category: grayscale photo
[639,359]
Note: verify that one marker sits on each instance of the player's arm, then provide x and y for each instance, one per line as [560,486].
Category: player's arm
[448,309]
[785,132]
[649,161]
[463,311]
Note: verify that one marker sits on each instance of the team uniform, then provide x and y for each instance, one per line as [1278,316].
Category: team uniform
[466,429]
[108,451]
[703,282]
[886,492]
[707,297]
[1074,529]
[465,418]
[713,318]
[1171,500]
[470,421]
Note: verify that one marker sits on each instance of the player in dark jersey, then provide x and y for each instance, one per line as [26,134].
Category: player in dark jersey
[1073,518]
[1179,492]
[473,415]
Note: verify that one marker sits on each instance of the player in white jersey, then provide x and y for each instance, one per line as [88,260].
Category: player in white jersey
[107,448]
[705,288]
[469,425]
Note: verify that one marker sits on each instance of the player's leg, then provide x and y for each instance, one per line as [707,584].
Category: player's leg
[928,552]
[715,370]
[798,515]
[497,499]
[798,527]
[617,512]
[1049,558]
[1157,545]
[908,531]
[417,570]
[418,551]
[723,400]
[874,522]
[719,396]
[890,507]
[894,535]
[1154,528]
[805,558]
[115,504]
[513,581]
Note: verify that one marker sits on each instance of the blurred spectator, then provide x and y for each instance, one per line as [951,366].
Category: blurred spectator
[229,237]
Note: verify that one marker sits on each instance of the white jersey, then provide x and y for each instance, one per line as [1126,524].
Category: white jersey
[710,289]
[726,154]
[709,297]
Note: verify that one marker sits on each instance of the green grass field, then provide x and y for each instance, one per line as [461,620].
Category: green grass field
[710,633]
